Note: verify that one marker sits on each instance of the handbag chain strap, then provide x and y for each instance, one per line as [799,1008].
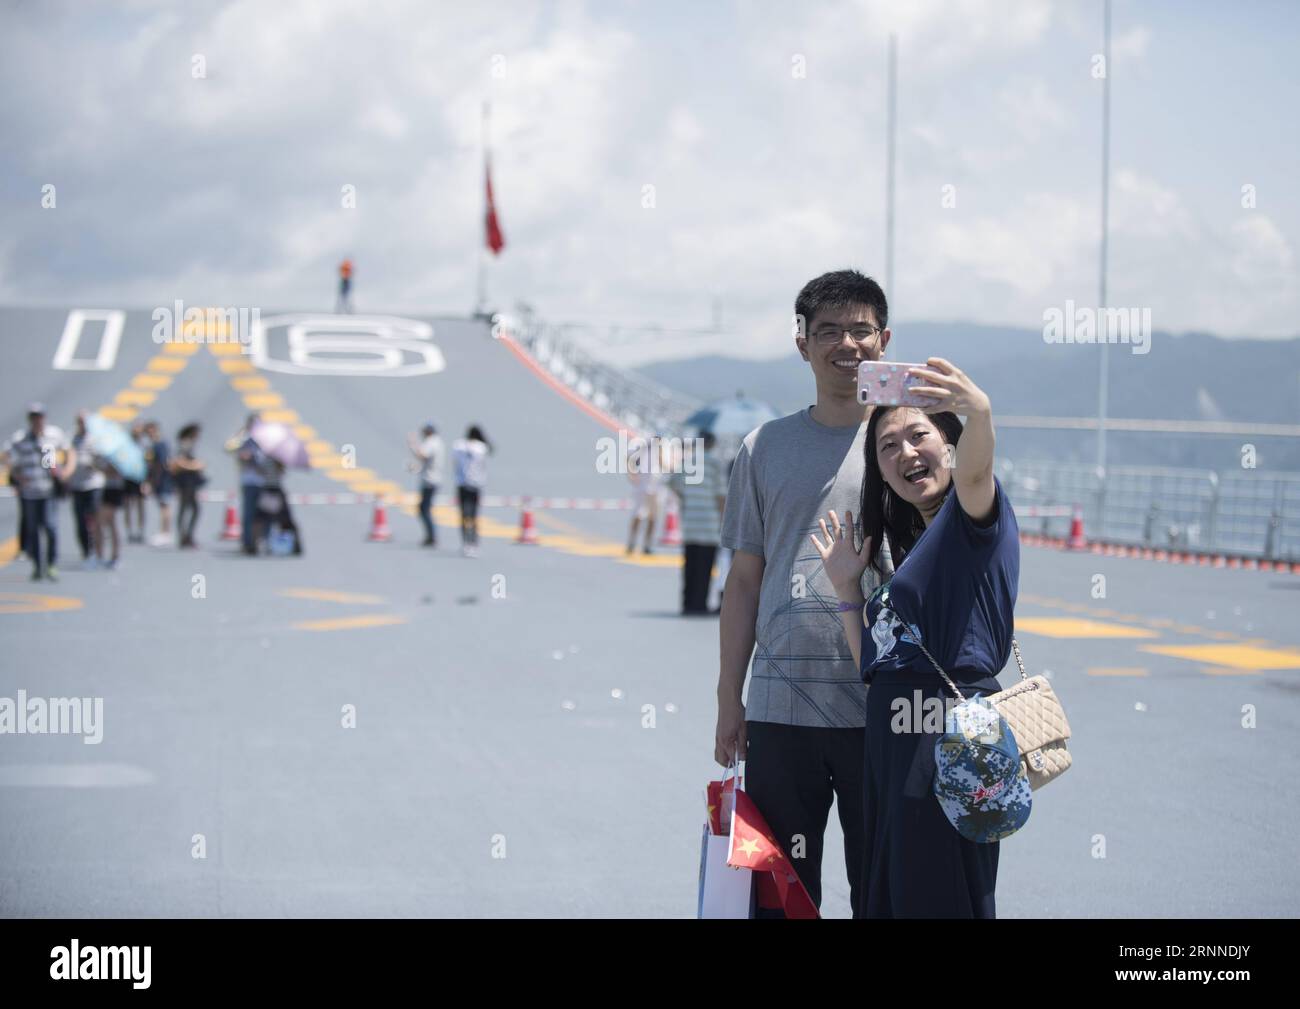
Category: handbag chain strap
[1015,647]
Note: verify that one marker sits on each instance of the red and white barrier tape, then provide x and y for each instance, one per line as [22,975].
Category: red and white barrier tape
[1194,558]
[487,501]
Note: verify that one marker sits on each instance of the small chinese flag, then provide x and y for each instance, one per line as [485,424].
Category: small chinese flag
[754,847]
[496,241]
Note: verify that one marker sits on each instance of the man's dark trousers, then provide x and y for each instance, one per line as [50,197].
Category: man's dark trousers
[792,772]
[697,572]
[248,506]
[41,514]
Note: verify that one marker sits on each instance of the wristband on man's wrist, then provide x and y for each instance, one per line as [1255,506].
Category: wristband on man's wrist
[846,607]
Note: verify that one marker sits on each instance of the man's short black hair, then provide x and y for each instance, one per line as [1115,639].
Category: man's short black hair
[840,289]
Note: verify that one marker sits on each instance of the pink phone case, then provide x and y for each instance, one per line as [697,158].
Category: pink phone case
[887,383]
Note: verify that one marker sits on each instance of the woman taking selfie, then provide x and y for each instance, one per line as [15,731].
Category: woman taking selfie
[956,551]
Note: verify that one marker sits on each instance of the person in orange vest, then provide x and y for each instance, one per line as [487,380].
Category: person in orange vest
[344,303]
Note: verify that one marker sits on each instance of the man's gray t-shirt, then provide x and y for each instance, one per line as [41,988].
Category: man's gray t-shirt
[788,475]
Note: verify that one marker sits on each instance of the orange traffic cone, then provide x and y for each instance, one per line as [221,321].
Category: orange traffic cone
[527,527]
[1077,541]
[672,535]
[232,531]
[379,531]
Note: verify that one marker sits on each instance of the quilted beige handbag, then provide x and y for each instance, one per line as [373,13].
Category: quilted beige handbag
[1036,718]
[1038,722]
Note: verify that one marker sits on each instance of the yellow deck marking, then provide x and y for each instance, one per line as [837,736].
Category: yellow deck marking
[330,596]
[345,475]
[236,366]
[577,543]
[1233,656]
[326,459]
[1228,671]
[1163,623]
[576,546]
[117,412]
[148,380]
[202,327]
[667,559]
[555,540]
[167,364]
[1118,671]
[1070,627]
[349,623]
[575,533]
[27,602]
[181,349]
[134,397]
[8,550]
[226,349]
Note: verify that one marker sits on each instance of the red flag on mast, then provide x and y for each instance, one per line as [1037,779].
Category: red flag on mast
[496,241]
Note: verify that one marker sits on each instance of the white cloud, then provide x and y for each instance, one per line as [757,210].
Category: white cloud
[761,179]
[1261,254]
[1130,44]
[1029,109]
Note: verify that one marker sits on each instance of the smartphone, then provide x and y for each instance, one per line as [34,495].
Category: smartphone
[887,383]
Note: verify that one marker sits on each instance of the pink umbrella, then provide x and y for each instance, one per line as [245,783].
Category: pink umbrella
[281,444]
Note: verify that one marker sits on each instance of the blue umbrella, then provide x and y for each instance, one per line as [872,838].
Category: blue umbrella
[731,417]
[113,443]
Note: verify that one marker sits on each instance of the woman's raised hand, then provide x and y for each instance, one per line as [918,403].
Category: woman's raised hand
[950,387]
[843,562]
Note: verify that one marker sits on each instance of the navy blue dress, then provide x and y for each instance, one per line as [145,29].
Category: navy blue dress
[957,588]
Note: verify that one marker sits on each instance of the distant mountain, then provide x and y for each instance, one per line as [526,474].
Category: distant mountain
[1190,377]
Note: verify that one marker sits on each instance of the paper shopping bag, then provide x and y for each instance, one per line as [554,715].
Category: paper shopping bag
[724,892]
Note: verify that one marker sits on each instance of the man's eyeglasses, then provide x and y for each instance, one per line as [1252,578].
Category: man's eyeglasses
[827,335]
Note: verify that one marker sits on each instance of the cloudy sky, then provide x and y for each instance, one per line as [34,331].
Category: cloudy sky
[760,127]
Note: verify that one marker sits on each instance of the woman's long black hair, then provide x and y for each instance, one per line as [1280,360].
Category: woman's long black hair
[883,513]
